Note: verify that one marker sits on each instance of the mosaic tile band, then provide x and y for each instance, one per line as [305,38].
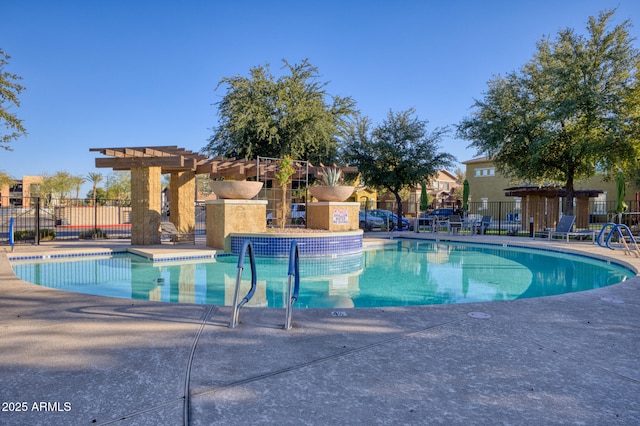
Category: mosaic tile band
[308,246]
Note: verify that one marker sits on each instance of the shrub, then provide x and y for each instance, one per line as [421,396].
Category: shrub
[92,234]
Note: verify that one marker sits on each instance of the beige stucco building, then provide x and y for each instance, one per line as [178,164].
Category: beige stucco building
[487,185]
[20,192]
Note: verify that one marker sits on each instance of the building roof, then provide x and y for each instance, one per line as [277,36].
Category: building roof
[478,160]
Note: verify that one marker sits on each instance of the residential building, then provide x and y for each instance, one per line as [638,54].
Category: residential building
[595,196]
[487,185]
[441,190]
[19,193]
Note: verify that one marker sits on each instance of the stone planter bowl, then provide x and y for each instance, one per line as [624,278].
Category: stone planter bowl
[236,189]
[331,193]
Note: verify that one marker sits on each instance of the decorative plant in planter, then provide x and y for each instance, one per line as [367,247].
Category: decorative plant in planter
[283,174]
[331,190]
[331,177]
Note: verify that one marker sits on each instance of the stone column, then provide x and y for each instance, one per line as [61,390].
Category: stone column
[146,205]
[333,216]
[227,216]
[182,205]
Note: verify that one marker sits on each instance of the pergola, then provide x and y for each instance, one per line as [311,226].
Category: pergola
[148,164]
[547,214]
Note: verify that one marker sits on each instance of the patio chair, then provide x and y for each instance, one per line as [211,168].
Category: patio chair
[441,225]
[484,224]
[455,224]
[169,231]
[564,229]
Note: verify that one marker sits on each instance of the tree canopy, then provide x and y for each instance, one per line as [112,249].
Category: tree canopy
[9,91]
[5,179]
[571,110]
[397,154]
[292,115]
[61,184]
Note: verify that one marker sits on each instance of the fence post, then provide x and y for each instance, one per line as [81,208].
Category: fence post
[95,217]
[36,236]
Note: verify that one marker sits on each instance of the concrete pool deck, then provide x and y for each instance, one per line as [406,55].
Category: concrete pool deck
[74,359]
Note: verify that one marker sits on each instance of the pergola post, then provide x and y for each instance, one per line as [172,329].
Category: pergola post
[146,205]
[553,212]
[182,201]
[582,212]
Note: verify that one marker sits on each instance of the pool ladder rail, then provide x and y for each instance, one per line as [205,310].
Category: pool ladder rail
[623,233]
[293,287]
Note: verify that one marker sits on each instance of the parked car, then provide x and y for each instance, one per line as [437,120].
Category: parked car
[391,219]
[439,213]
[298,214]
[369,222]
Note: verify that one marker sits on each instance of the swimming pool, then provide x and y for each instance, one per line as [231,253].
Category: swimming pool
[401,274]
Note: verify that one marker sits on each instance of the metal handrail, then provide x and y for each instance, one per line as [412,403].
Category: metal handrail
[618,229]
[294,283]
[236,306]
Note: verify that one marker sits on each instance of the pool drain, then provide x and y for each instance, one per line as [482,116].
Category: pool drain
[479,315]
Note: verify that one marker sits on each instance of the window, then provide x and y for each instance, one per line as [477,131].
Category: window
[484,172]
[517,203]
[600,204]
[485,204]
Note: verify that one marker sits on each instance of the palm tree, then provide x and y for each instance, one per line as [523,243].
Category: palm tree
[77,182]
[95,179]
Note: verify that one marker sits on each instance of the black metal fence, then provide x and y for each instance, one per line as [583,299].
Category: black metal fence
[41,219]
[507,217]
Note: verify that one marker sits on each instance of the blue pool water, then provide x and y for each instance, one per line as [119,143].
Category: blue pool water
[402,274]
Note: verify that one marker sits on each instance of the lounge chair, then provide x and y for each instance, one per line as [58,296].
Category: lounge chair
[169,230]
[564,229]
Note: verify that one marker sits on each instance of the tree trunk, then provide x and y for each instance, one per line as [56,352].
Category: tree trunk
[399,203]
[283,209]
[568,202]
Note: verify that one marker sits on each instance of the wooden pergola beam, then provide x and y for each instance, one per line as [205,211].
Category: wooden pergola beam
[130,162]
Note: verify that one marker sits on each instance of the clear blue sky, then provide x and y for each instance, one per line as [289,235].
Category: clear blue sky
[136,73]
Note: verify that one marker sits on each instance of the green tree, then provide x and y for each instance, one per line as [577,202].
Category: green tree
[9,91]
[118,187]
[203,186]
[460,177]
[396,155]
[569,111]
[61,185]
[99,196]
[285,169]
[94,179]
[5,179]
[77,183]
[292,115]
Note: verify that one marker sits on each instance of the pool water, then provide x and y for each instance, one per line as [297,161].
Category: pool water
[402,274]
